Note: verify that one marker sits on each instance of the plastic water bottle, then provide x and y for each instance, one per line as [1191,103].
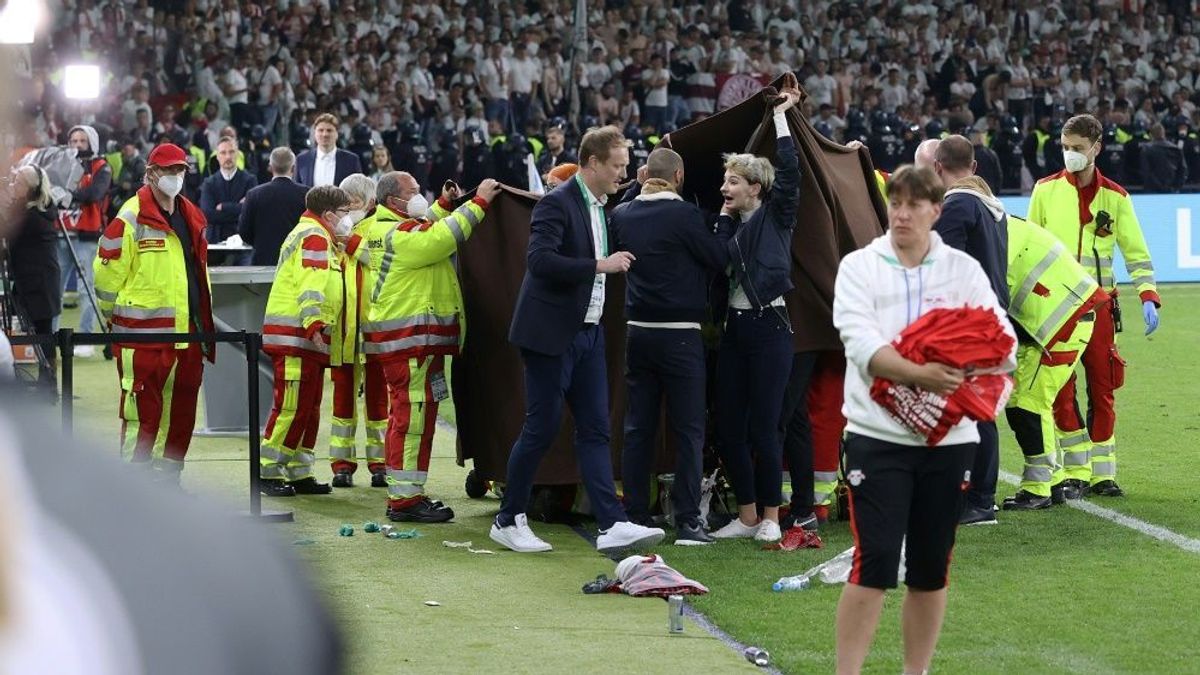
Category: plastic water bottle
[837,569]
[797,583]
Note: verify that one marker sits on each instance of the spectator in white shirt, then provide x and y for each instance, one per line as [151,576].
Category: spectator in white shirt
[893,93]
[655,80]
[820,85]
[523,81]
[493,75]
[962,87]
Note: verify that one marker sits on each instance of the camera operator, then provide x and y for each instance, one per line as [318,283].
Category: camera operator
[33,258]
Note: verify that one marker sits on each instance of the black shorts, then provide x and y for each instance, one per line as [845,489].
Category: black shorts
[904,490]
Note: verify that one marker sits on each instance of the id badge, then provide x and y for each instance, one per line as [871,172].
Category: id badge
[437,383]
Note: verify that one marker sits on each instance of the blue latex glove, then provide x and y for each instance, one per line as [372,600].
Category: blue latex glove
[1150,315]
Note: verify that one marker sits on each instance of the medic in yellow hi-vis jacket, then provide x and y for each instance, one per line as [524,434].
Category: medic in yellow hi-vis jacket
[355,375]
[303,335]
[415,321]
[1092,216]
[1054,302]
[151,276]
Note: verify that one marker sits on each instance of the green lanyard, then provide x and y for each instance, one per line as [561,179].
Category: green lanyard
[592,204]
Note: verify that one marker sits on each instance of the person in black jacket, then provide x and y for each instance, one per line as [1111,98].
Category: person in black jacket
[666,299]
[1164,168]
[223,193]
[556,325]
[33,260]
[271,210]
[756,350]
[975,224]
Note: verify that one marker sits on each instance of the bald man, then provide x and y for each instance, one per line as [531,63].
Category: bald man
[926,153]
[975,223]
[666,299]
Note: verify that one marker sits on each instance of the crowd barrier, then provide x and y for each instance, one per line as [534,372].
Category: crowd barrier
[66,339]
[1172,234]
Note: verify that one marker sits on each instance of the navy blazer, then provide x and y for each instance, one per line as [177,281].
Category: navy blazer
[271,212]
[227,193]
[560,269]
[346,163]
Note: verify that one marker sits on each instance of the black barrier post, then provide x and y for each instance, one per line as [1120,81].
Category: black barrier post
[66,349]
[253,344]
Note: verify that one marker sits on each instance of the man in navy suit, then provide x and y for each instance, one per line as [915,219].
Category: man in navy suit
[326,164]
[272,209]
[222,194]
[556,324]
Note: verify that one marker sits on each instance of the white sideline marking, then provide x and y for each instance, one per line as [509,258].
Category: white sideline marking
[1161,533]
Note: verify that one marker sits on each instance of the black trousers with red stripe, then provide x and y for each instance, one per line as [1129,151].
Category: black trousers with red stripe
[899,491]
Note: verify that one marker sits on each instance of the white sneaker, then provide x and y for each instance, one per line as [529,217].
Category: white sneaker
[84,351]
[768,530]
[518,537]
[627,535]
[736,529]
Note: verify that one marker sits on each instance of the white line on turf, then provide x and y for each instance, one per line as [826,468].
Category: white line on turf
[1158,532]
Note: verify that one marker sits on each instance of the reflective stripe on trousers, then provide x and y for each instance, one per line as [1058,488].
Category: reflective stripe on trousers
[291,432]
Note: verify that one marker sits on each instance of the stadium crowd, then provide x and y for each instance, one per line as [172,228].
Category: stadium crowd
[463,90]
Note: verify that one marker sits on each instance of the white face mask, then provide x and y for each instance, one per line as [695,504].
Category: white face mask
[170,184]
[417,206]
[344,225]
[357,216]
[1075,161]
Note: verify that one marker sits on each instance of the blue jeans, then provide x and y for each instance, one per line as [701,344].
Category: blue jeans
[497,109]
[753,366]
[579,377]
[655,115]
[85,252]
[678,112]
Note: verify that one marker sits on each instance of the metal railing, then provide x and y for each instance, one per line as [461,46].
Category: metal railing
[66,339]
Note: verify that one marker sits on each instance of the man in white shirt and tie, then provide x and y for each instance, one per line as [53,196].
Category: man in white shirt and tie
[325,164]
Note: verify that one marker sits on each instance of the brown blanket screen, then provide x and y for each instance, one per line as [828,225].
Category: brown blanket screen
[841,211]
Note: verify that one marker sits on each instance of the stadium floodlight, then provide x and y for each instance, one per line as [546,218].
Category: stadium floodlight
[18,21]
[81,82]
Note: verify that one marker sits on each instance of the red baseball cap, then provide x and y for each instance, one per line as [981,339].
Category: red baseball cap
[167,154]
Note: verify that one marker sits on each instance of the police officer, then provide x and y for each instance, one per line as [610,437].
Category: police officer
[412,156]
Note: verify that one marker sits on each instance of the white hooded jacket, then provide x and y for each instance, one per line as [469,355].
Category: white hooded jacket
[876,297]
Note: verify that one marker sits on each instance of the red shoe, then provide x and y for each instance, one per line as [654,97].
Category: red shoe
[796,538]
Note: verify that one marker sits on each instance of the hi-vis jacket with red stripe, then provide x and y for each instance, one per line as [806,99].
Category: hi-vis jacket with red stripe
[141,281]
[416,304]
[305,305]
[1055,206]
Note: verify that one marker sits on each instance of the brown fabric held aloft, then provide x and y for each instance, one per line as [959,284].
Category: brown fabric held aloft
[841,209]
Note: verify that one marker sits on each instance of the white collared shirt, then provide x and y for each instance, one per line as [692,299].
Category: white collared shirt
[228,176]
[600,243]
[325,167]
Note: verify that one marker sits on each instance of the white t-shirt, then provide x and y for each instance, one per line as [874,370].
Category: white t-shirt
[820,89]
[525,72]
[237,81]
[656,96]
[493,74]
[266,88]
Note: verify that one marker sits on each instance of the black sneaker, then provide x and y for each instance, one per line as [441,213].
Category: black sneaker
[275,487]
[975,515]
[692,534]
[1057,495]
[343,479]
[423,511]
[1073,488]
[1107,488]
[1026,501]
[805,520]
[310,486]
[379,479]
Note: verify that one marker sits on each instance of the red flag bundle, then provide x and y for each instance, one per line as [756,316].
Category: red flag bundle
[969,338]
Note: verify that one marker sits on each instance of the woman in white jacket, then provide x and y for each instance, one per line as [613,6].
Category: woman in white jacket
[899,487]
